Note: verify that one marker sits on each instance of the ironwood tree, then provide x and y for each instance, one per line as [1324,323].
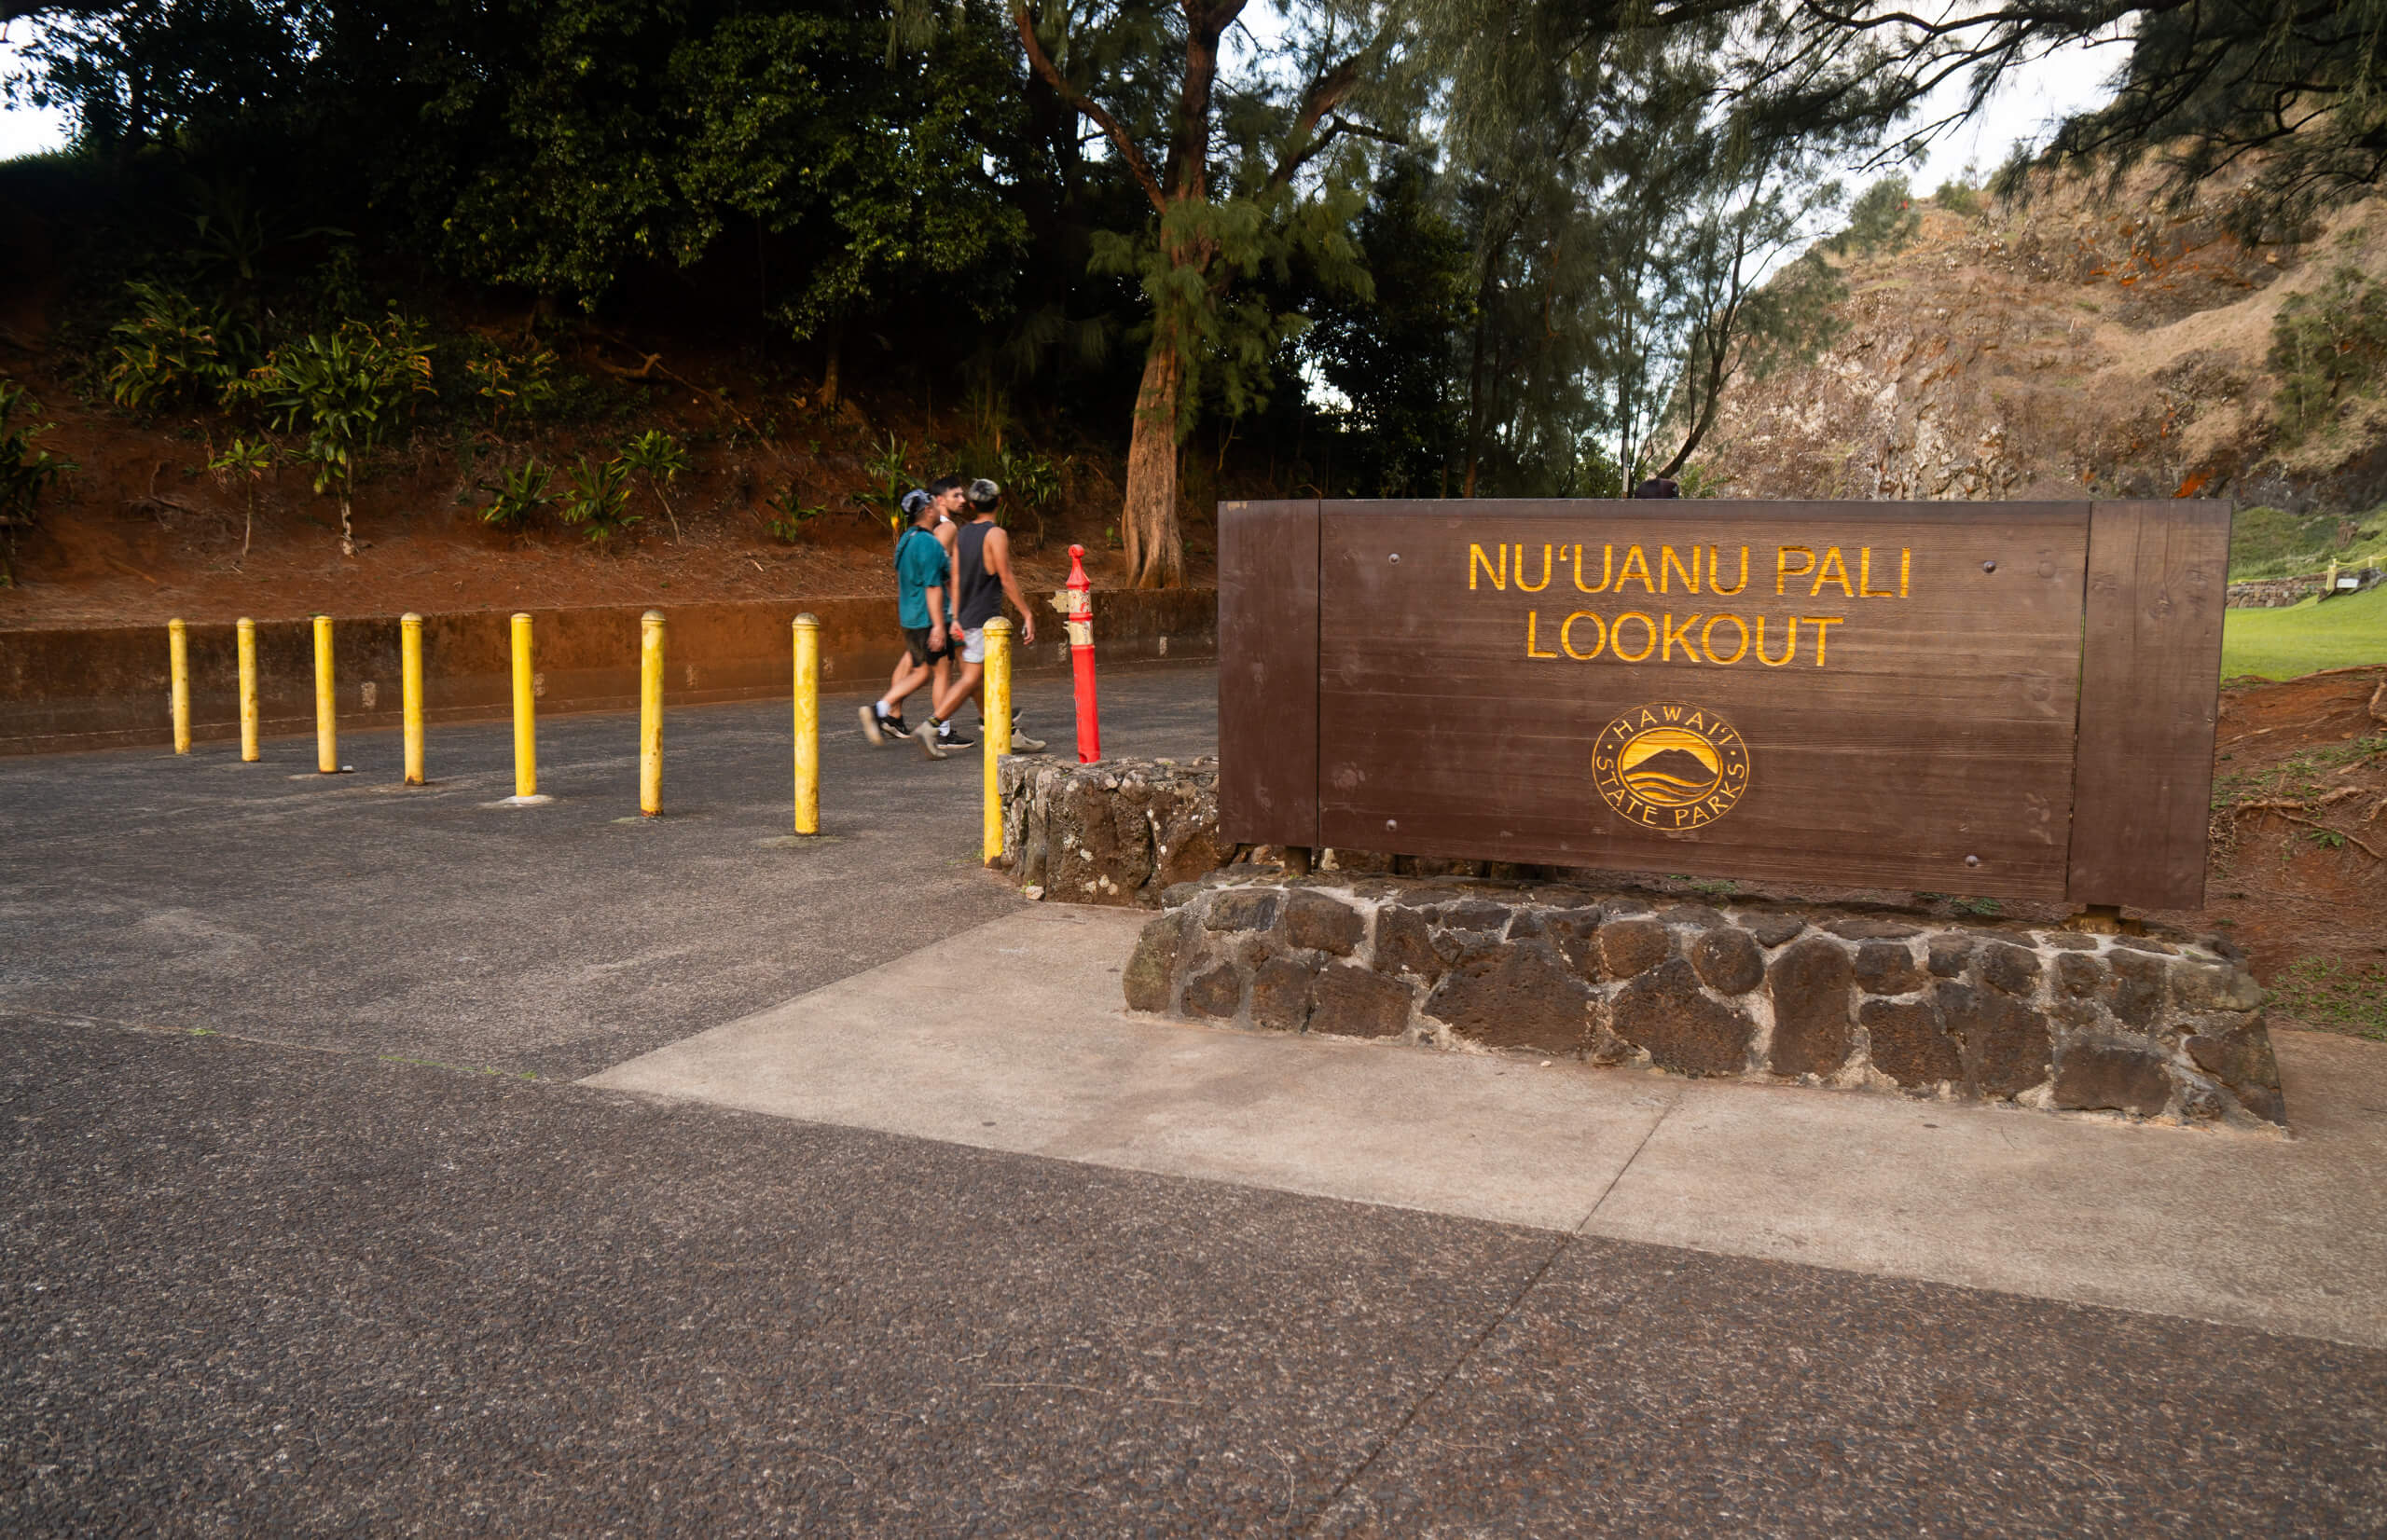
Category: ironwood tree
[1239,172]
[1636,231]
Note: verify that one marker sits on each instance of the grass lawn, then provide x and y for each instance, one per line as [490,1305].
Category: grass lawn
[2306,637]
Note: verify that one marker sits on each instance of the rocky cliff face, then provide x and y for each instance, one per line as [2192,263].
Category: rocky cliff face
[2071,344]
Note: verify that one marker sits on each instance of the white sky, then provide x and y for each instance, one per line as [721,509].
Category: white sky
[2035,100]
[23,131]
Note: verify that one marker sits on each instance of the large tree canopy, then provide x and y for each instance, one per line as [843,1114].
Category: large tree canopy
[1465,245]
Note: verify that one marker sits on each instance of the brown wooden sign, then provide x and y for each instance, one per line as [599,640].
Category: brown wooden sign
[2012,699]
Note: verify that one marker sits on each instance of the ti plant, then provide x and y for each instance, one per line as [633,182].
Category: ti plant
[889,469]
[599,501]
[249,460]
[25,472]
[172,349]
[344,391]
[517,495]
[1031,480]
[790,514]
[500,379]
[660,458]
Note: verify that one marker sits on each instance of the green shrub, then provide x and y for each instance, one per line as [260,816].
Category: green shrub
[172,349]
[889,469]
[660,458]
[2328,344]
[1882,219]
[517,495]
[248,460]
[1030,477]
[344,391]
[599,501]
[503,381]
[790,516]
[1958,196]
[26,472]
[1031,482]
[1697,480]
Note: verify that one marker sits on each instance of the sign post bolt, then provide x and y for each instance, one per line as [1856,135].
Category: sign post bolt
[246,636]
[650,714]
[178,673]
[996,706]
[326,712]
[807,725]
[1078,613]
[410,692]
[526,725]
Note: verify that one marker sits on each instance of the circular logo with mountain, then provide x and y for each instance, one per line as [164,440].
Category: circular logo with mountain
[1670,765]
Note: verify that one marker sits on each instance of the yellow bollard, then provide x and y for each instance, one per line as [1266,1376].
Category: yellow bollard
[650,714]
[326,724]
[247,633]
[526,728]
[411,691]
[808,725]
[178,673]
[996,713]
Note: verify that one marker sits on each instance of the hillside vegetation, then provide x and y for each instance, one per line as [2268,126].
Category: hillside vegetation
[2075,340]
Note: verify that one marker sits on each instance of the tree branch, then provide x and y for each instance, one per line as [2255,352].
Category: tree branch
[1087,108]
[1304,143]
[1336,127]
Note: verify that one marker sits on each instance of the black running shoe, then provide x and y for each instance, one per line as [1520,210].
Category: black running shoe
[950,736]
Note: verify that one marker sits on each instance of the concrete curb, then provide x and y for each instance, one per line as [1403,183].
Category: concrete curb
[107,687]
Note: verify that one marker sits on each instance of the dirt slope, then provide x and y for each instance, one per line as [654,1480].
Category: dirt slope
[2069,344]
[141,533]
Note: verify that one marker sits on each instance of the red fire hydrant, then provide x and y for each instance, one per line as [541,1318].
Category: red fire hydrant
[1079,617]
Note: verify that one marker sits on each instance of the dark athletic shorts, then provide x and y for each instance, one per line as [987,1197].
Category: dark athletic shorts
[916,638]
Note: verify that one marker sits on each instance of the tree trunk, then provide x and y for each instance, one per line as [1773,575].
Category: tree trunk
[1148,526]
[1475,404]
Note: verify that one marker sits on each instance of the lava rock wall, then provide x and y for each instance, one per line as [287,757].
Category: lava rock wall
[2051,1019]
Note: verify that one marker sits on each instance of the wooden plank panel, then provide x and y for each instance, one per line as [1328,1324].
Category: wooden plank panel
[1931,746]
[1268,672]
[2150,692]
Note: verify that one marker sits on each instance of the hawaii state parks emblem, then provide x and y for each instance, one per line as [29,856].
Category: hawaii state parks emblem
[1670,765]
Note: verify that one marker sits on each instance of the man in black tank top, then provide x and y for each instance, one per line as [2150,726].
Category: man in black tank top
[982,581]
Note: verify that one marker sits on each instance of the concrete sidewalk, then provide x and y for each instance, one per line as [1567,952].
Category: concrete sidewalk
[1011,1036]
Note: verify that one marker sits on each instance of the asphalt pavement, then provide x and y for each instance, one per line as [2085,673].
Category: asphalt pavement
[304,1227]
[353,912]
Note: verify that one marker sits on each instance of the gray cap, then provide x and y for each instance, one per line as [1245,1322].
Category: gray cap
[983,493]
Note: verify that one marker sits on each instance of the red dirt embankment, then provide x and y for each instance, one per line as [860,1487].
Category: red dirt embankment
[142,532]
[2299,853]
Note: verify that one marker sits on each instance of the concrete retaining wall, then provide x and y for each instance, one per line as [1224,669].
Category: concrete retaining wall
[108,687]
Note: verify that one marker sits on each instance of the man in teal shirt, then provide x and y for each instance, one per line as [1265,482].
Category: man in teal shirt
[922,570]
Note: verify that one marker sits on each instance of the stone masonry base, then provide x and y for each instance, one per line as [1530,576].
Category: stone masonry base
[2153,1027]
